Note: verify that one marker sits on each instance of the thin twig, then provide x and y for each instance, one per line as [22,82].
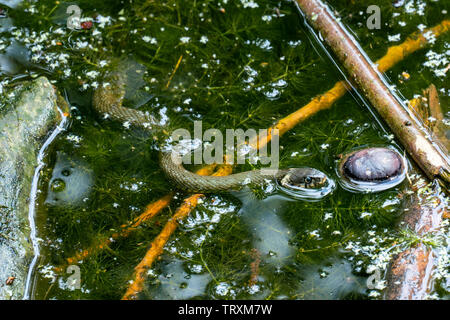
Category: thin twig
[174,71]
[430,158]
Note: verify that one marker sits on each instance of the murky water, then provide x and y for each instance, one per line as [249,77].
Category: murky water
[242,64]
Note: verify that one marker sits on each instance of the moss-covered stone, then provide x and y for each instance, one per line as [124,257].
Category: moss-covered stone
[28,112]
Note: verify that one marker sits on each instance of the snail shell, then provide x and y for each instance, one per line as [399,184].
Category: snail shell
[372,169]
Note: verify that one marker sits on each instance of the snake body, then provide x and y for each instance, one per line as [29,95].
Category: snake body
[107,100]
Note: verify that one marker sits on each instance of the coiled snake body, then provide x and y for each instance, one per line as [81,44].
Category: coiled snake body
[107,100]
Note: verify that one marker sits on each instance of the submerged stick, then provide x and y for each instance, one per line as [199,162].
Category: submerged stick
[150,211]
[428,108]
[430,158]
[157,246]
[410,273]
[394,54]
[174,71]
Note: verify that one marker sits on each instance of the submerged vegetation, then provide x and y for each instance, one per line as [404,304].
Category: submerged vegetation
[232,64]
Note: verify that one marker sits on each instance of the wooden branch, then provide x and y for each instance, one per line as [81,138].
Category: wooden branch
[430,158]
[324,101]
[321,102]
[150,211]
[157,246]
[428,108]
[438,127]
[409,276]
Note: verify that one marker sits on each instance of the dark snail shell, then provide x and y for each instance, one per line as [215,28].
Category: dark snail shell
[372,169]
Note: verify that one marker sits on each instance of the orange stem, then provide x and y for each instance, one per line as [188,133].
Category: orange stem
[324,101]
[156,248]
[150,211]
[174,71]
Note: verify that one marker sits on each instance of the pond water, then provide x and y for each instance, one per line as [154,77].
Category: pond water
[241,64]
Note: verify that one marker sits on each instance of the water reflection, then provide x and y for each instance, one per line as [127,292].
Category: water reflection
[71,181]
[175,283]
[271,235]
[331,281]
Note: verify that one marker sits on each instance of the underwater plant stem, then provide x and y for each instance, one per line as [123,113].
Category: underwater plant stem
[324,101]
[410,274]
[150,211]
[430,158]
[157,246]
[174,71]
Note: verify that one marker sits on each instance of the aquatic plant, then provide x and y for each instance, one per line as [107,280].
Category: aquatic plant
[239,66]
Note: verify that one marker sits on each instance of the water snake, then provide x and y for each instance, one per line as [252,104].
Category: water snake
[107,100]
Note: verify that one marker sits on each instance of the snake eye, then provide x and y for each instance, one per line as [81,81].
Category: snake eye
[308,180]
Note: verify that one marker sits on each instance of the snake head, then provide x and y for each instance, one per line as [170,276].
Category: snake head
[306,178]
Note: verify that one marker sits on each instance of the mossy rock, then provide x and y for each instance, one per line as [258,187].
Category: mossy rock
[28,111]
